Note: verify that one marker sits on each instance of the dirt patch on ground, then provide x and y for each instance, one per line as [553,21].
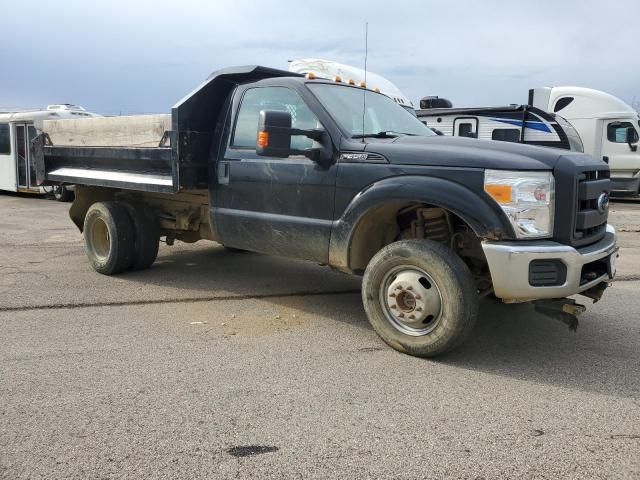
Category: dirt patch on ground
[244,318]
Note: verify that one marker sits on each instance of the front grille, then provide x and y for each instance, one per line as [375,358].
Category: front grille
[580,186]
[590,222]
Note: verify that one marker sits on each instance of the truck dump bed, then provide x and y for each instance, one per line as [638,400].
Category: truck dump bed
[130,152]
[154,153]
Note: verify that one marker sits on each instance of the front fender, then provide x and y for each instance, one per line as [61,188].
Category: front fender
[483,216]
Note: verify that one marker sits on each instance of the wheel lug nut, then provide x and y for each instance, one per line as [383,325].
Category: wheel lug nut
[392,294]
[412,317]
[417,297]
[393,306]
[409,287]
[418,309]
[401,315]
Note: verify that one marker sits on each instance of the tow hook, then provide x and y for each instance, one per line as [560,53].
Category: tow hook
[564,309]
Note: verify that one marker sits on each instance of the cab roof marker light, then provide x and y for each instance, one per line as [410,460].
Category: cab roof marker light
[363,85]
[377,90]
[337,79]
[310,76]
[351,81]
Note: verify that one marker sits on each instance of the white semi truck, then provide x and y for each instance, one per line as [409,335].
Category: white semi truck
[331,70]
[573,118]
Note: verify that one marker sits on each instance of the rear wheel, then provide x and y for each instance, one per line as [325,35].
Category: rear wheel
[420,297]
[108,237]
[146,236]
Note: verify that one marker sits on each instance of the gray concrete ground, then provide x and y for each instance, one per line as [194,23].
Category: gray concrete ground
[221,365]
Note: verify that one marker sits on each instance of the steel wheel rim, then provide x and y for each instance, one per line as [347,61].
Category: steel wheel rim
[99,239]
[411,300]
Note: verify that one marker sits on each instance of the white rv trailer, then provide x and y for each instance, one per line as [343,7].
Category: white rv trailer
[346,73]
[17,129]
[573,118]
[511,123]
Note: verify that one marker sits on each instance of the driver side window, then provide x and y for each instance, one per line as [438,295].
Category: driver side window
[617,132]
[282,99]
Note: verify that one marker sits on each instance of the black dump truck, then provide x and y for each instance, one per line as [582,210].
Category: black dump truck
[270,161]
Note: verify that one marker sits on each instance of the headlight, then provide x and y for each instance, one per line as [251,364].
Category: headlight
[527,198]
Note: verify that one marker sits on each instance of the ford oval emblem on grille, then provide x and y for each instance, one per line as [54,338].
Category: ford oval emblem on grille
[603,202]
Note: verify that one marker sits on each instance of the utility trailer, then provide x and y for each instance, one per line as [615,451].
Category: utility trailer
[275,162]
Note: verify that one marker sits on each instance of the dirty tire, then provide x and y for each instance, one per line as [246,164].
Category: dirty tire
[455,293]
[61,194]
[109,237]
[146,232]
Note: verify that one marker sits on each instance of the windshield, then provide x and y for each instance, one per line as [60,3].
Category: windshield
[383,117]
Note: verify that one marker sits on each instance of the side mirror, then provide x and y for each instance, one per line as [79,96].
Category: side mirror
[274,137]
[632,138]
[274,134]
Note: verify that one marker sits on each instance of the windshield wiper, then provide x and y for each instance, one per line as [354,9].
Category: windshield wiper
[378,135]
[383,134]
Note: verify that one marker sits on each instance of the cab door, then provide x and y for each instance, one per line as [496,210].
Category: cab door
[280,206]
[623,161]
[25,171]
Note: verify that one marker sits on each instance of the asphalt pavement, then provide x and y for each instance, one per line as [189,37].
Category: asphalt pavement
[215,364]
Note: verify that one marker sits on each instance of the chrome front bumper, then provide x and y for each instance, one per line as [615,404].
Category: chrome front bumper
[509,266]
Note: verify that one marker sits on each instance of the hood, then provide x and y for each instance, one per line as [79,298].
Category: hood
[468,152]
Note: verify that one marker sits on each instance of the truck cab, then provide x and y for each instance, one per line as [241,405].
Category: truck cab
[608,127]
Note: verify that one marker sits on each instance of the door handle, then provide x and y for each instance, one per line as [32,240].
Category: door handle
[223,173]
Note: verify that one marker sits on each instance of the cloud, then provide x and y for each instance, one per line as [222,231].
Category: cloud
[124,56]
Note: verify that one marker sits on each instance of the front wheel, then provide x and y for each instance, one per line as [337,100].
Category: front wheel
[420,297]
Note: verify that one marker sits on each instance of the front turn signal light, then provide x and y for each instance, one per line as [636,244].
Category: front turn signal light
[500,193]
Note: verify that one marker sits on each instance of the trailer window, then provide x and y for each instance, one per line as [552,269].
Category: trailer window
[465,130]
[5,139]
[271,98]
[506,135]
[617,132]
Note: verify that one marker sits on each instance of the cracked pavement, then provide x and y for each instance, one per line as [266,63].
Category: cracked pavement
[215,364]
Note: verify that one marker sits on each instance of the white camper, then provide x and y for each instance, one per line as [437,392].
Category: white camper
[346,73]
[17,129]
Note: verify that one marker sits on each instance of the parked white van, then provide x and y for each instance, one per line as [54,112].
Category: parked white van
[17,129]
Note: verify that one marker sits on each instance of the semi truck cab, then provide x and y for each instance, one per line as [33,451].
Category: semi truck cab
[608,127]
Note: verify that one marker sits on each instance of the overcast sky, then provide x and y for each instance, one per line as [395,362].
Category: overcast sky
[140,56]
